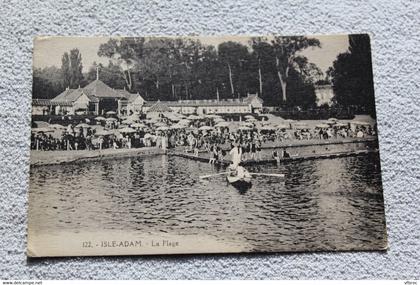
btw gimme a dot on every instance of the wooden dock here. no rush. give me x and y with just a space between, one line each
330 155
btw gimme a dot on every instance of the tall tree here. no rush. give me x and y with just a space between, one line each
65 70
352 78
263 54
76 67
286 51
71 69
234 56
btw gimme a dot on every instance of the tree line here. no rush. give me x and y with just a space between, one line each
184 68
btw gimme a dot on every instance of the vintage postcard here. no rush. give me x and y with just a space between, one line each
179 145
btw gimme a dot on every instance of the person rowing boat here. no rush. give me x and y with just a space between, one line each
239 177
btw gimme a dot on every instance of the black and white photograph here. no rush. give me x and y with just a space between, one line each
204 144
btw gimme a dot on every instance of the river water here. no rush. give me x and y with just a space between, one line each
326 204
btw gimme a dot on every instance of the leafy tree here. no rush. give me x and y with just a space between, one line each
286 51
46 82
352 78
183 68
301 91
235 57
126 53
278 60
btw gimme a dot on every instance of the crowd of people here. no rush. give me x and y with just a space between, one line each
217 142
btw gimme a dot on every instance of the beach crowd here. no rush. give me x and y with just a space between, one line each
195 137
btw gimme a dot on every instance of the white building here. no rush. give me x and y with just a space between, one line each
249 104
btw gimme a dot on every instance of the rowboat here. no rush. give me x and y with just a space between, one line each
243 180
240 178
239 182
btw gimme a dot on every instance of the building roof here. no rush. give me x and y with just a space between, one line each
69 96
159 107
49 102
200 103
124 93
95 90
41 102
131 97
100 90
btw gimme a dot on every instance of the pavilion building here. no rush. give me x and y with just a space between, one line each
96 98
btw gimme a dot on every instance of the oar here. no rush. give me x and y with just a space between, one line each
211 175
268 174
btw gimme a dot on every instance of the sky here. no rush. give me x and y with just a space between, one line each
49 50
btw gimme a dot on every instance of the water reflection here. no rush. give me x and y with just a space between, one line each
320 204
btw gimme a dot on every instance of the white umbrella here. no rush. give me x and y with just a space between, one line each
103 133
138 125
178 126
193 117
146 136
127 130
57 126
160 124
162 129
42 130
360 123
322 126
222 124
100 118
249 116
340 125
184 121
111 113
246 124
251 119
111 119
206 128
128 121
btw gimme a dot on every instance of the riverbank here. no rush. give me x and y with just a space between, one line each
39 158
